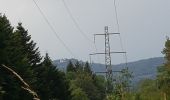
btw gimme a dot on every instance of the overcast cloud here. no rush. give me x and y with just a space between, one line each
144 24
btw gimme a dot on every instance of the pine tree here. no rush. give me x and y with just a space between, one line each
51 83
164 72
29 47
85 82
78 66
10 52
5 31
87 68
70 67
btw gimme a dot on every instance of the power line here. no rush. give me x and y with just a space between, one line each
117 21
53 30
74 21
78 26
118 26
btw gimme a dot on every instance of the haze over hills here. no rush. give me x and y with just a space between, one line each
145 68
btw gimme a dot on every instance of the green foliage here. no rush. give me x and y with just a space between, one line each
99 82
28 46
78 66
155 89
5 31
87 68
70 67
122 84
148 90
85 82
20 53
79 94
82 80
10 52
51 83
164 72
94 86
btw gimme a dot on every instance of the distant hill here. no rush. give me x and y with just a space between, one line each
62 63
146 68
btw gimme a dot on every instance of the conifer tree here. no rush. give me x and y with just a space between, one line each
87 68
51 83
70 67
164 72
23 54
29 46
11 55
78 66
5 31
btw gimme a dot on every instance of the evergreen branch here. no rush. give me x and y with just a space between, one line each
25 85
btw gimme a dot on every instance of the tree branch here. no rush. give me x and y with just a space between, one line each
25 85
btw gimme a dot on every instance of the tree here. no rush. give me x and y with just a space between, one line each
28 46
70 67
23 57
5 31
99 82
122 84
20 53
83 81
78 66
87 68
10 86
24 85
148 90
20 50
78 94
164 72
51 83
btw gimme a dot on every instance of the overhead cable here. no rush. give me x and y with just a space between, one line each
77 25
74 20
53 30
118 27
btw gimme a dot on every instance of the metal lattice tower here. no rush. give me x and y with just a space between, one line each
108 64
107 55
109 75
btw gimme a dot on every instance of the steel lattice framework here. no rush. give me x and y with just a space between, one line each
108 63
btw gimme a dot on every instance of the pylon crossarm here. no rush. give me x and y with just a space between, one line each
112 71
106 34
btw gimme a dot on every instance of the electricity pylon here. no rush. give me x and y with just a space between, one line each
108 64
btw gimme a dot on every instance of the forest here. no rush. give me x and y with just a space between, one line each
26 75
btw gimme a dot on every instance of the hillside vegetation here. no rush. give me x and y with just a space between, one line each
142 69
26 75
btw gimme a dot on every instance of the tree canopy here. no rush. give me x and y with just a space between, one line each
19 52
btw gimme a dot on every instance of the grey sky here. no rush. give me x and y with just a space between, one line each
143 26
